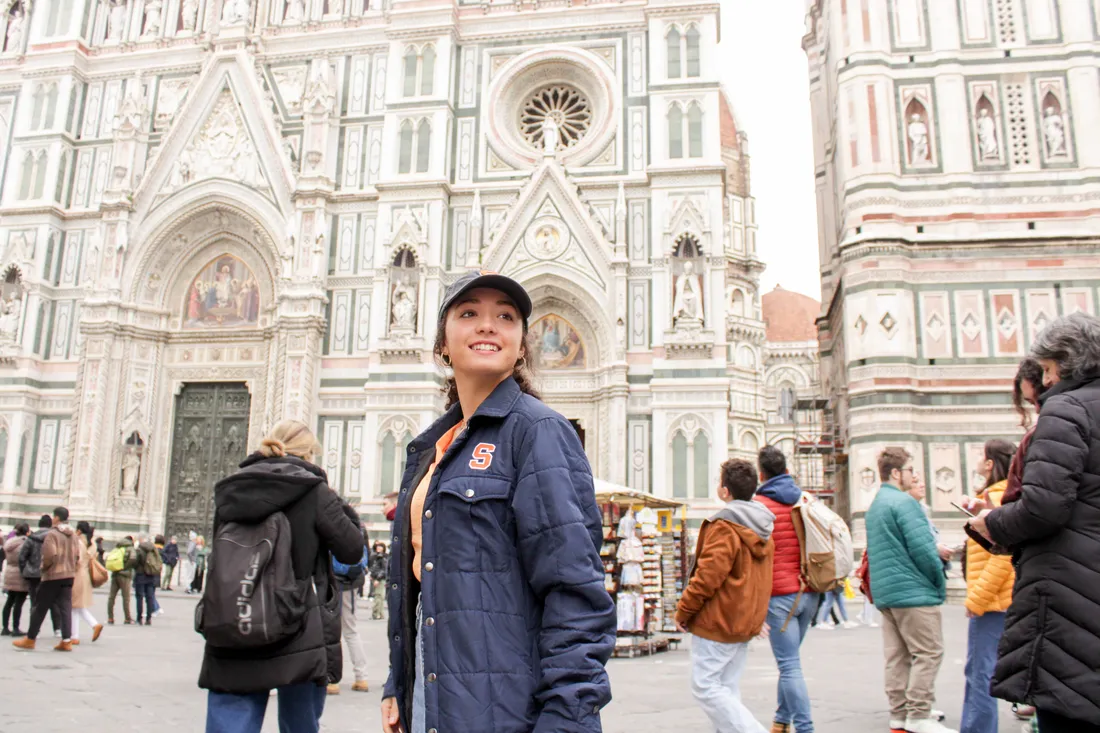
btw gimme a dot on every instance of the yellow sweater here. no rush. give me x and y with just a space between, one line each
989 577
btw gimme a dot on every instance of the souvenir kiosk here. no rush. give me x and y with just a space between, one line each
645 561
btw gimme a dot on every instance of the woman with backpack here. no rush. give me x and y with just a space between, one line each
279 496
15 585
498 617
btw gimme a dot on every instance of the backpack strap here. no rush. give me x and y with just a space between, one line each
800 533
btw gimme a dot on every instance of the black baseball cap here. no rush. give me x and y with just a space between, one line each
486 279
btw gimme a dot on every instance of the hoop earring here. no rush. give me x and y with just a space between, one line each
446 359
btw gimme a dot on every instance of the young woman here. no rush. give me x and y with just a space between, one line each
1027 388
82 584
15 585
989 581
281 477
498 617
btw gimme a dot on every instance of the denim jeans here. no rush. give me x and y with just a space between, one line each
794 698
716 671
419 707
837 597
145 592
300 708
979 707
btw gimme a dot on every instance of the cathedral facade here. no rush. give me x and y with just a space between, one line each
217 214
957 169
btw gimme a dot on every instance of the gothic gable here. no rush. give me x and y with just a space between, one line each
550 224
224 132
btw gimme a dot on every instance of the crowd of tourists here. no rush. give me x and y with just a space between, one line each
493 590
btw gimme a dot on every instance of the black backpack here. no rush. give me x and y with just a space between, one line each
251 597
31 567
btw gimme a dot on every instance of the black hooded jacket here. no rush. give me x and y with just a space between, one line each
1049 655
320 523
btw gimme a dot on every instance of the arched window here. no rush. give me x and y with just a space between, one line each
675 132
427 70
59 13
51 108
786 402
701 446
3 452
691 41
411 64
404 155
389 461
674 65
695 131
38 106
39 174
26 176
679 466
423 146
749 442
20 468
737 303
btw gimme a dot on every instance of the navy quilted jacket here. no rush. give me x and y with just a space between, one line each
1049 654
906 571
517 623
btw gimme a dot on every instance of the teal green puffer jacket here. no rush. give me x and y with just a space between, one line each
906 571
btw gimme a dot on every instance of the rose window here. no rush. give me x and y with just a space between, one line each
567 107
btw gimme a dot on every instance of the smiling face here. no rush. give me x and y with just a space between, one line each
483 335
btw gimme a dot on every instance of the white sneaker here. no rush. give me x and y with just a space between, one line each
897 724
160 612
873 625
938 715
850 625
927 725
826 626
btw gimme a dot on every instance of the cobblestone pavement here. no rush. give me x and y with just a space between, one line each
143 679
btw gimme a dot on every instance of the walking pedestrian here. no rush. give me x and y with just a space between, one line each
1049 655
15 585
909 587
726 599
60 557
170 555
349 579
120 563
147 570
30 565
201 551
791 608
82 584
282 477
188 559
833 602
379 570
496 543
989 580
99 549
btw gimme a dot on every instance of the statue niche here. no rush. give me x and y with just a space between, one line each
404 279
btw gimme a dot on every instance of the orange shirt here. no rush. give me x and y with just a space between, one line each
420 495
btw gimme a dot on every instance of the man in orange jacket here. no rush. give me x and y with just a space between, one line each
726 600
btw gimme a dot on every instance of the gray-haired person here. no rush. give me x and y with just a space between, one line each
1049 655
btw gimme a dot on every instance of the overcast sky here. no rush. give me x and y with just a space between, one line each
764 71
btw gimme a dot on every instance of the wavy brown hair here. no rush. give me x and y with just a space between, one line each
1000 452
1030 371
523 371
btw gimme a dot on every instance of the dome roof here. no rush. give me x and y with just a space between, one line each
789 316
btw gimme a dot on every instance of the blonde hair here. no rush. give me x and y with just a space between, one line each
290 438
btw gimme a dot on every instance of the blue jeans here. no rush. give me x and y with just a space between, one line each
419 706
794 698
979 707
146 594
300 708
837 597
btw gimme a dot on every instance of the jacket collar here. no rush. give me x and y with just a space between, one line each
888 485
497 405
1066 385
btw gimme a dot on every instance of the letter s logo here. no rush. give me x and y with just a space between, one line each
482 456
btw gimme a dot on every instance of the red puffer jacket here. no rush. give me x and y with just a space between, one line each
786 568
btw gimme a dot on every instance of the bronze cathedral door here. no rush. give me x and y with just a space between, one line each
209 439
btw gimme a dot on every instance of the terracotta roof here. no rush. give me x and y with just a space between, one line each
727 124
789 316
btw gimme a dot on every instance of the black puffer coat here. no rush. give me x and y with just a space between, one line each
1049 655
320 523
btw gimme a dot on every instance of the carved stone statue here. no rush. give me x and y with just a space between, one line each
320 93
131 471
987 135
551 136
182 172
918 140
403 314
295 12
16 23
116 19
190 13
687 300
235 12
152 19
132 111
1054 133
9 318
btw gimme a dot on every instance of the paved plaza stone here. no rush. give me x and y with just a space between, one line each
138 678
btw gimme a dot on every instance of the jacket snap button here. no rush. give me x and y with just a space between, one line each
432 730
431 677
396 637
469 493
429 621
428 514
394 586
429 567
412 449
